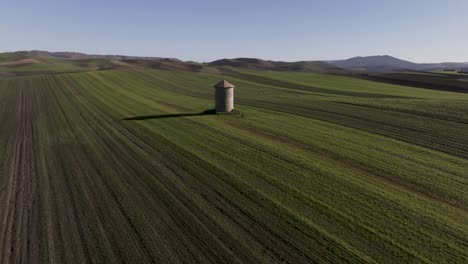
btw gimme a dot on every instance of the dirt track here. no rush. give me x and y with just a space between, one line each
18 210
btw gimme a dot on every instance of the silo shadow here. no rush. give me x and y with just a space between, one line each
149 117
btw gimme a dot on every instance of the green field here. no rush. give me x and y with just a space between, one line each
128 166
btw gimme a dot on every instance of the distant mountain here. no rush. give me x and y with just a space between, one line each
389 63
81 56
252 63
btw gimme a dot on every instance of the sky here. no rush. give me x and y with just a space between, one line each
206 30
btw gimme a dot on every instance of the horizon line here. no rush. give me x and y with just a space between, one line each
230 58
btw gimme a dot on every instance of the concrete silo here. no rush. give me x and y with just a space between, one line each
224 97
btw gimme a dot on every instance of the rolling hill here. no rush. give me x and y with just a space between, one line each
40 62
79 55
383 63
388 63
253 63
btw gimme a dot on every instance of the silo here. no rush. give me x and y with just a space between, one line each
224 97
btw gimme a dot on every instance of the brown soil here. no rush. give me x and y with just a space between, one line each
18 206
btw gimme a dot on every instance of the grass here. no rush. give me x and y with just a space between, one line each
395 115
317 169
44 65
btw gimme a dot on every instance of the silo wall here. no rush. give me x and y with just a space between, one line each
224 99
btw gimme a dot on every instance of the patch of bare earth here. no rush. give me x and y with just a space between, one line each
19 238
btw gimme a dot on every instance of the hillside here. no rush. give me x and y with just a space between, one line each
357 64
42 62
129 165
252 63
80 56
389 63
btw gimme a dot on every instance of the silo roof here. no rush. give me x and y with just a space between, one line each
224 84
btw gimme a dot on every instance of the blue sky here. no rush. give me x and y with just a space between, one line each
204 30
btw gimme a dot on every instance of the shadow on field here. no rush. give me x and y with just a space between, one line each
206 112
